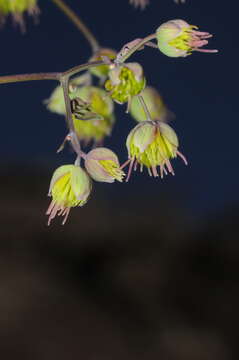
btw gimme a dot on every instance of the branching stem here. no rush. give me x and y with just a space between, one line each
29 77
48 76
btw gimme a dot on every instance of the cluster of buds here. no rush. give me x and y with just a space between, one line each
16 9
152 143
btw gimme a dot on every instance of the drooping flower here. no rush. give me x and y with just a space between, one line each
97 127
152 144
103 70
176 38
103 165
154 102
125 81
17 8
70 186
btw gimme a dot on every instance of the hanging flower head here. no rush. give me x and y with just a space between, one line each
176 38
103 165
156 107
17 8
70 186
152 144
125 81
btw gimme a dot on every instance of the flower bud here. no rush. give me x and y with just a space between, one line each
156 107
102 70
176 38
103 165
152 144
125 81
70 186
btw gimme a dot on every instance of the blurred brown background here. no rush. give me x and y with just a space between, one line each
130 281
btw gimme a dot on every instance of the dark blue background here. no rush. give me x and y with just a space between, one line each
200 89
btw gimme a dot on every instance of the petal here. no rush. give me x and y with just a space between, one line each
168 133
97 172
144 136
102 153
80 183
59 172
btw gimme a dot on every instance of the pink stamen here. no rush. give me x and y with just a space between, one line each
170 168
125 164
206 51
65 213
56 209
182 157
198 39
154 171
130 169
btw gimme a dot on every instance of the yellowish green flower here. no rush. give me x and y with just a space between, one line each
176 38
125 81
17 8
100 103
103 165
152 144
70 187
154 102
103 70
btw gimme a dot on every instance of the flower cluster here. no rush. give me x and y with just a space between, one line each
151 144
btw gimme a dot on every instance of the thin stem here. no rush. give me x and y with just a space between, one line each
65 86
79 24
72 134
145 107
82 67
48 76
29 77
136 47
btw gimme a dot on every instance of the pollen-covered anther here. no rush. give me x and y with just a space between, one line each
152 144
